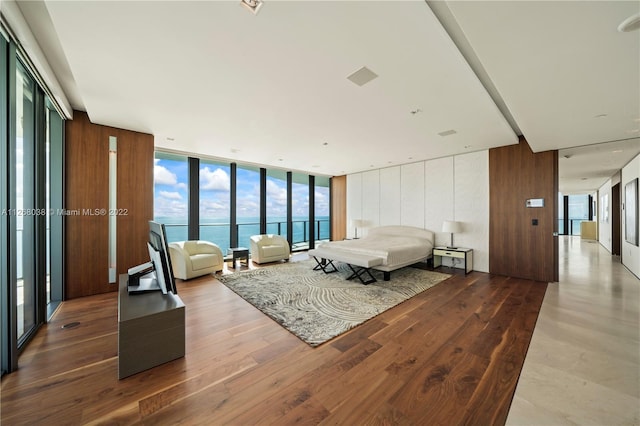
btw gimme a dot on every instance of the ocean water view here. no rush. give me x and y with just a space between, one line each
217 230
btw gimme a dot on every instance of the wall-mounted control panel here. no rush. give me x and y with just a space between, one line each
535 202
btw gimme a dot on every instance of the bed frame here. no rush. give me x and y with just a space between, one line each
362 263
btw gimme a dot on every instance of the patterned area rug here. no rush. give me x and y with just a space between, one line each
316 306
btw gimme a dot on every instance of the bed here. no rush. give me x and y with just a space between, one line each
385 248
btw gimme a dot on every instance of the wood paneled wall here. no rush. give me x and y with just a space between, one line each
338 208
518 248
87 189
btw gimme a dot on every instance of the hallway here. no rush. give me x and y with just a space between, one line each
583 363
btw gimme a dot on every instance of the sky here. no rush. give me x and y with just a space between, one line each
171 192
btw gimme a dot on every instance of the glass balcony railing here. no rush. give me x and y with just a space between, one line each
218 233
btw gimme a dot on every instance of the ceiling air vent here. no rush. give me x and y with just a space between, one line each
448 132
362 76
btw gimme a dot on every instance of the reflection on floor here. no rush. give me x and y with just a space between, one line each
583 363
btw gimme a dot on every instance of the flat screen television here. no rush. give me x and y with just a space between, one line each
164 271
156 275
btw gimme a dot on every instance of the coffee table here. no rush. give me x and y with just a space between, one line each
238 253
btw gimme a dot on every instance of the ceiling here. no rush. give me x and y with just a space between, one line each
211 78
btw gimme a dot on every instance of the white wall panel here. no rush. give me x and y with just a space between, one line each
471 204
390 196
354 200
412 194
438 195
428 193
370 200
630 252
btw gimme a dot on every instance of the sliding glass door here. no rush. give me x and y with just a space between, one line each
5 296
53 187
24 185
31 195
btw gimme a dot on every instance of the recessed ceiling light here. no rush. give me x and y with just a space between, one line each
600 116
252 6
447 132
170 139
235 150
416 111
468 146
280 159
617 151
632 23
583 178
326 143
633 131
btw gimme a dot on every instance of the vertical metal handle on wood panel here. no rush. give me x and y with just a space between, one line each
113 183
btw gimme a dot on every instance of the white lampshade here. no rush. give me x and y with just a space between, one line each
451 226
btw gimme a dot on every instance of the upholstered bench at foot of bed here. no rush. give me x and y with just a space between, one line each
324 260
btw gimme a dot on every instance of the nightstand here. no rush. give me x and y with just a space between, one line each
453 252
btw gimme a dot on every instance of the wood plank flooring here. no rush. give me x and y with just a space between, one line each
450 355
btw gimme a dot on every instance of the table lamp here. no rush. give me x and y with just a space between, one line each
452 227
357 223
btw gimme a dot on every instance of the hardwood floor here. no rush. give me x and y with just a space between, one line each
450 355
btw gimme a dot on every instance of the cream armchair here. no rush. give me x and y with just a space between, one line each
190 259
269 248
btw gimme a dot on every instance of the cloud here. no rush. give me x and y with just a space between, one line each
213 209
216 180
162 175
170 195
322 201
276 194
164 207
247 207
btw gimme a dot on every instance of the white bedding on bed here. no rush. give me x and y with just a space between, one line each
397 245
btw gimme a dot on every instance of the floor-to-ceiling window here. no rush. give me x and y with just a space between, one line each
6 320
561 209
30 190
54 189
238 201
247 203
300 208
578 212
171 194
24 187
215 199
277 202
322 208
